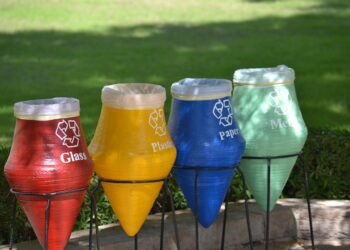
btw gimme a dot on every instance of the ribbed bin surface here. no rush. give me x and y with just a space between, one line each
268 114
206 135
48 155
131 143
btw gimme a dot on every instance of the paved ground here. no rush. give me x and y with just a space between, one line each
257 246
296 246
292 245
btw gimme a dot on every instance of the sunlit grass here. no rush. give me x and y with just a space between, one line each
97 16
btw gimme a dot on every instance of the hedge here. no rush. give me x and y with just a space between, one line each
326 155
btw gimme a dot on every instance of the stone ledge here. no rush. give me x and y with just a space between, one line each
331 220
289 223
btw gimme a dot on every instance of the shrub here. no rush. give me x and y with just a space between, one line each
105 213
22 230
327 157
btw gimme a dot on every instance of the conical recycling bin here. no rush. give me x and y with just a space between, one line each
131 143
271 122
49 154
206 135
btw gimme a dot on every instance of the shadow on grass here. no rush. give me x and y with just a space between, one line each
52 63
325 4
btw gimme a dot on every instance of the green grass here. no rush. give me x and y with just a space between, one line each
73 48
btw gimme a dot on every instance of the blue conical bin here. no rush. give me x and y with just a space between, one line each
208 140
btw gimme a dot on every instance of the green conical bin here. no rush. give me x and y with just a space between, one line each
269 117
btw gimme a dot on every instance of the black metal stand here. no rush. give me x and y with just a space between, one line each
48 197
197 169
246 209
268 161
166 190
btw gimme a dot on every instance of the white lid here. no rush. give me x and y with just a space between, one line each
201 88
264 76
47 109
133 95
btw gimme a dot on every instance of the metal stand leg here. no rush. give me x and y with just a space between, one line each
196 207
195 210
307 194
93 218
224 222
135 242
48 197
167 193
267 230
247 210
13 222
177 238
47 217
162 221
100 180
269 158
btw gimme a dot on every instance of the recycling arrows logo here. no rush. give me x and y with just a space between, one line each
223 112
157 122
279 100
69 133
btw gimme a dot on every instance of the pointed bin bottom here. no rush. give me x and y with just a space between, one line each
212 188
132 203
255 174
64 210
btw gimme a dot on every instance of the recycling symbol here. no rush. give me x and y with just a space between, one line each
223 112
157 122
279 100
69 133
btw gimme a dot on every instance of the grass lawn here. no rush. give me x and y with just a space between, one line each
72 48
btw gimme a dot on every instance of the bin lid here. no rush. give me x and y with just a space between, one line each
281 74
133 95
47 109
201 88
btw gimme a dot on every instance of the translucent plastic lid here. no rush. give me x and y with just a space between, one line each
201 88
133 95
47 109
264 76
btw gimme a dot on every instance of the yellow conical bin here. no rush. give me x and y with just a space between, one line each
131 143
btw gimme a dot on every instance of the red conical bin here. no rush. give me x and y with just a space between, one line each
48 155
